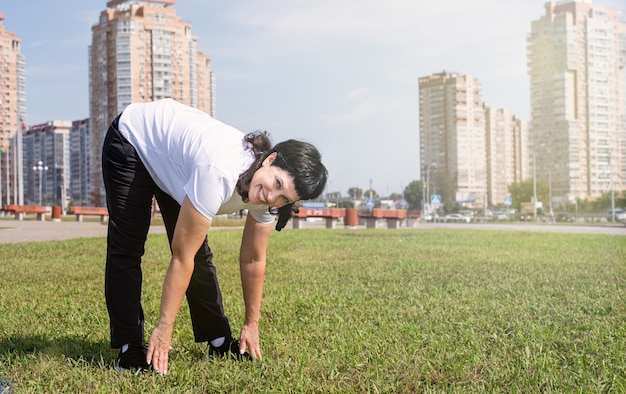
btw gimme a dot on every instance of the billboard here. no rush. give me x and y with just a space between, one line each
462 197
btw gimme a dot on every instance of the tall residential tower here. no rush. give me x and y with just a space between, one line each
47 162
507 153
12 115
577 69
142 51
470 152
452 133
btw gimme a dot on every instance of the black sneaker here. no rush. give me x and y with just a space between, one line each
133 358
228 349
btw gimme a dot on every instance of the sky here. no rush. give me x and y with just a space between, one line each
340 74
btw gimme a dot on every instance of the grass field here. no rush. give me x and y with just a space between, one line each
344 311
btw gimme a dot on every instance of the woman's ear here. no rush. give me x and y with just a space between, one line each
269 160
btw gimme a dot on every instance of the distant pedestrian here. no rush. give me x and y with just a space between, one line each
196 167
552 218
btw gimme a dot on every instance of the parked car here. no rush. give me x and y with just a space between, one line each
620 215
501 215
523 216
484 215
468 213
456 217
564 217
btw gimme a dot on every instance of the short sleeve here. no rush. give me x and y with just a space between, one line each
262 214
207 188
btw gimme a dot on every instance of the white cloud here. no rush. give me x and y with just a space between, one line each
357 112
355 94
307 25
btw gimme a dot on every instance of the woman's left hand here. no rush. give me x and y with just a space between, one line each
249 340
159 347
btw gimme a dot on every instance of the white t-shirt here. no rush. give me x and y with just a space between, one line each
188 153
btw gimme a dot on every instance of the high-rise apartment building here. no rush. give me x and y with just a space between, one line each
521 169
81 163
507 152
46 149
577 69
470 153
12 115
142 51
452 138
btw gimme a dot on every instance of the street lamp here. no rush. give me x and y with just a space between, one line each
535 185
426 196
612 191
40 168
535 179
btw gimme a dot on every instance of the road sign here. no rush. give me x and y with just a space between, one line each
435 199
507 201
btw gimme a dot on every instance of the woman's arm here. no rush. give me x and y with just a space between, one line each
252 269
191 229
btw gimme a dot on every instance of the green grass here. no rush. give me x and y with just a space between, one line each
344 311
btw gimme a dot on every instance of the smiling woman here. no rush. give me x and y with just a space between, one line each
196 167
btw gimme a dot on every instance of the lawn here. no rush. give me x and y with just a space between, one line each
344 311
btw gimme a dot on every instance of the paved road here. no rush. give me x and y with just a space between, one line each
12 231
618 229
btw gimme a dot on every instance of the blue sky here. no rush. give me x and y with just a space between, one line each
341 74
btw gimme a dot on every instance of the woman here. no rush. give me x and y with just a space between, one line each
196 167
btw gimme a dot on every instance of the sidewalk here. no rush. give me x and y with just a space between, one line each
12 231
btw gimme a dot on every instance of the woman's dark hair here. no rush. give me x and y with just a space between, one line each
300 159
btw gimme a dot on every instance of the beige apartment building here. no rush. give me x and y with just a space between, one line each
142 51
507 153
522 170
470 152
12 115
452 138
577 69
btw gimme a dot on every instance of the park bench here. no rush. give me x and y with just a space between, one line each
393 217
330 214
20 210
103 212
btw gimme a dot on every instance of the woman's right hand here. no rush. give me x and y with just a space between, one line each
191 230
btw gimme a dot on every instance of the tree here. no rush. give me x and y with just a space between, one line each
523 192
604 201
395 196
414 195
371 194
446 188
345 203
355 193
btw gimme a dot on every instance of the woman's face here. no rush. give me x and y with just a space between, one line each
272 186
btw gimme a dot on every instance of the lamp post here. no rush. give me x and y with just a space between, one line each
40 168
550 188
423 197
535 180
535 185
426 196
609 172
